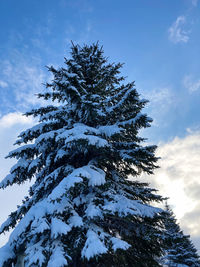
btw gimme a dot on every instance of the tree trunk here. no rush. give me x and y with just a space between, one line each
20 261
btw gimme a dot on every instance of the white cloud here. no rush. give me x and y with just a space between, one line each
194 3
160 97
191 84
191 221
193 130
3 84
25 78
178 178
82 38
176 32
15 118
10 126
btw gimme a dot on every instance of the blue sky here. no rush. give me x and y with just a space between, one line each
38 33
159 42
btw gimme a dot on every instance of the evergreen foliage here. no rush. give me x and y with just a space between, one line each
83 209
179 250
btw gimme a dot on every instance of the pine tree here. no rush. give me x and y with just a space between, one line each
179 250
83 209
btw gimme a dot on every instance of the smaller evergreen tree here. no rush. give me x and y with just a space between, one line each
179 250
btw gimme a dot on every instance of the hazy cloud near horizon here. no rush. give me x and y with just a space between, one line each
11 125
179 179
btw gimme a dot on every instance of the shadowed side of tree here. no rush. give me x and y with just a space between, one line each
179 250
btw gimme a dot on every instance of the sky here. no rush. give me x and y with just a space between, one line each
159 43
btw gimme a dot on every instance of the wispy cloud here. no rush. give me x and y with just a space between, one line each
77 37
24 78
81 6
194 3
3 84
177 33
162 97
191 84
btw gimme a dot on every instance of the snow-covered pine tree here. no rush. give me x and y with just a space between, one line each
83 209
179 250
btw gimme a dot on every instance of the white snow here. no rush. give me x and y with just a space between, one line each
58 258
58 227
36 128
78 128
110 130
39 225
52 115
93 211
22 163
64 185
35 254
6 253
45 136
46 180
7 180
60 154
131 121
120 103
74 89
75 221
6 223
71 75
119 244
35 212
21 149
91 139
95 176
93 246
81 131
125 206
34 163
